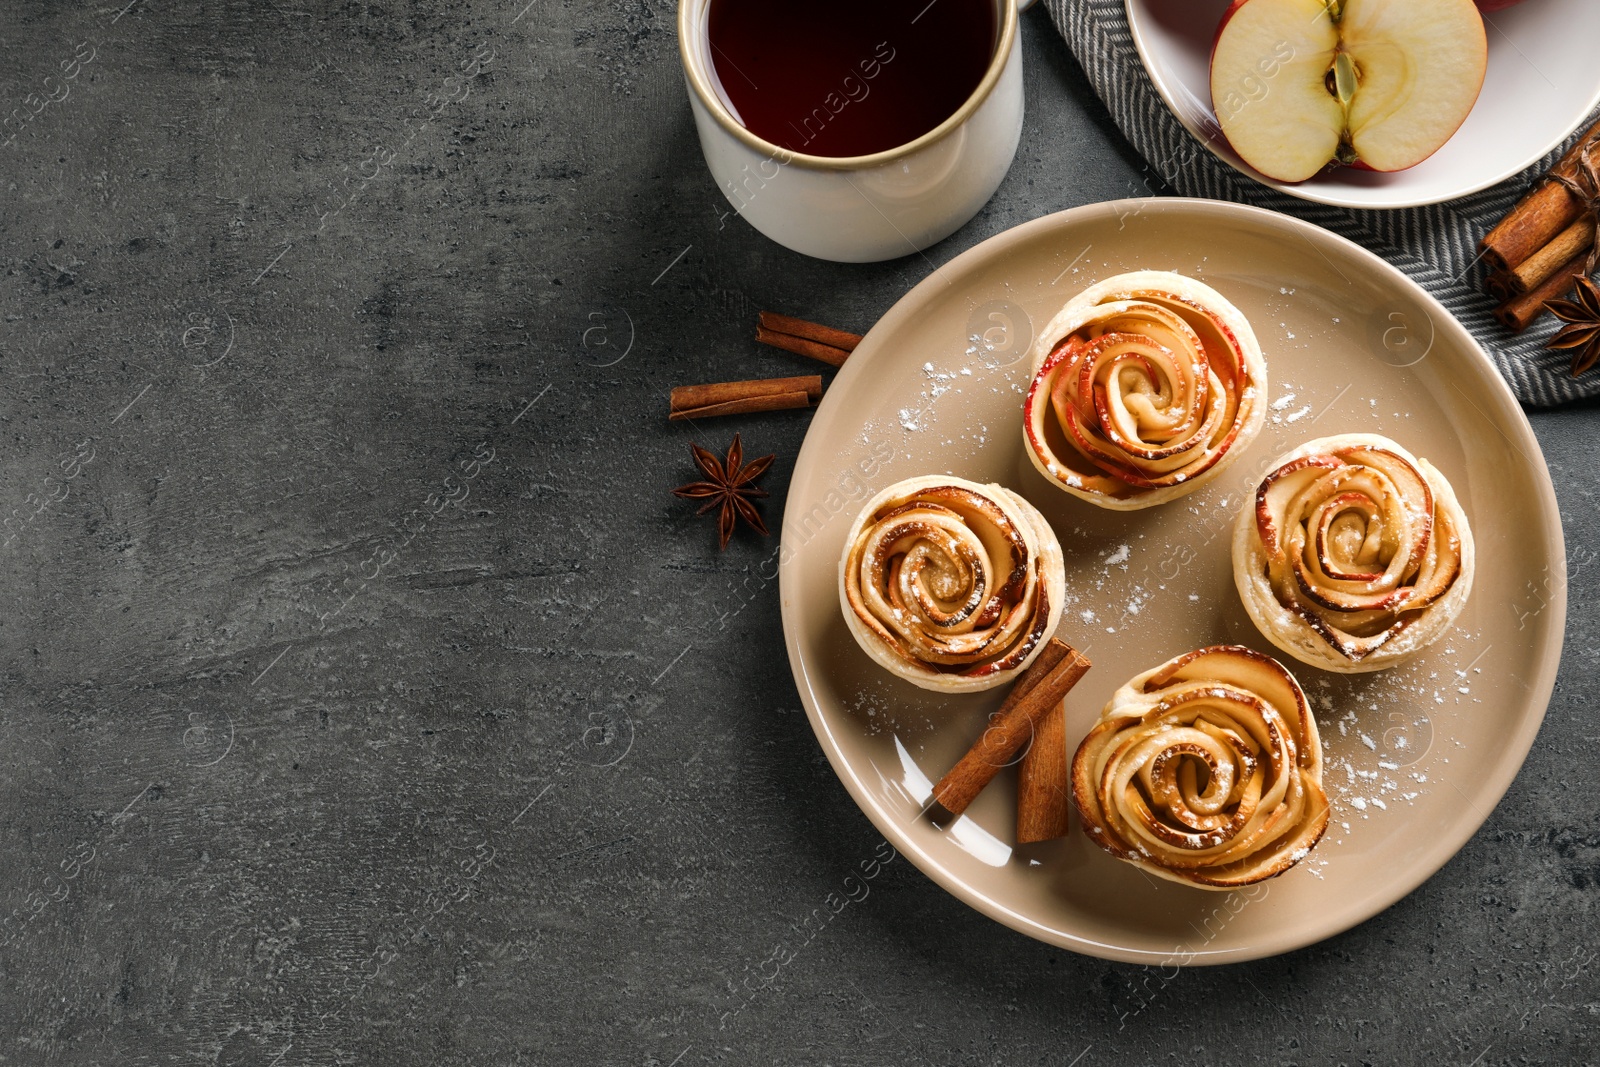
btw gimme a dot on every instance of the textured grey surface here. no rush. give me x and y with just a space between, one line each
297 771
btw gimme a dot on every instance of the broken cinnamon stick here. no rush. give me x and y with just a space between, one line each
1040 688
828 354
1538 217
1520 311
1543 264
811 331
1042 782
804 338
737 398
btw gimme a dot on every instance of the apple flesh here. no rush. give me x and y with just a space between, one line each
1378 84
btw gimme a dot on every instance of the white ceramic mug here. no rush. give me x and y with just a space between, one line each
859 209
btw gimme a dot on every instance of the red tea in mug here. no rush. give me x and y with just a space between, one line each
848 77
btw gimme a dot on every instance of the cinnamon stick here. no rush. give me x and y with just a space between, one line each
828 354
1520 311
804 338
736 398
1042 798
1543 264
810 331
1536 220
1500 285
746 406
1040 688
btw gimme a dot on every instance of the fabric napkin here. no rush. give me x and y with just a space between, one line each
1435 245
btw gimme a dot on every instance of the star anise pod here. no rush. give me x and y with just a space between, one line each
1582 332
730 485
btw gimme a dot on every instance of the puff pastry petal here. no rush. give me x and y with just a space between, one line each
1206 770
950 584
1145 387
1354 555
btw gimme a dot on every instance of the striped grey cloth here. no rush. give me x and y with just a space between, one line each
1435 245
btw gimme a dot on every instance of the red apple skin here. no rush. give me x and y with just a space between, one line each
1222 24
1496 5
1233 9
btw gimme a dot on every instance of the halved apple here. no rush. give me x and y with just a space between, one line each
1378 84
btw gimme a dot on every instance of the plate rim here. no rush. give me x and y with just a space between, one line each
1299 190
1510 417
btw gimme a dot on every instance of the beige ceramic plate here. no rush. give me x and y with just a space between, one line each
1417 755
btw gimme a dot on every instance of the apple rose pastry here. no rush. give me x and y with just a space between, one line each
1206 770
950 584
1354 555
1145 387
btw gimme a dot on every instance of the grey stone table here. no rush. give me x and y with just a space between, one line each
367 698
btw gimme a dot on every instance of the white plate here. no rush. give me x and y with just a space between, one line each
1543 81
